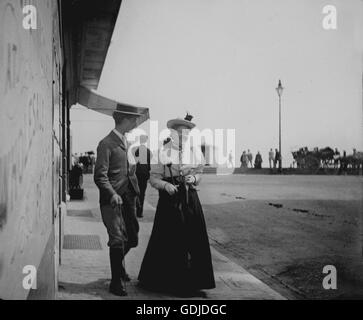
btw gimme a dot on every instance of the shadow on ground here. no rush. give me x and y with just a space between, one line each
97 288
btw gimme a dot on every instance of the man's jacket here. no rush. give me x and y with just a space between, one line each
113 173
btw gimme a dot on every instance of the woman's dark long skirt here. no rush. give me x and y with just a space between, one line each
178 256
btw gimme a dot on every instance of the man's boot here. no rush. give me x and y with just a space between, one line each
124 276
116 286
139 207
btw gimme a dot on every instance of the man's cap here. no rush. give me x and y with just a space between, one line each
125 109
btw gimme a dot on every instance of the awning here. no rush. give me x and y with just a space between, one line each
88 27
93 100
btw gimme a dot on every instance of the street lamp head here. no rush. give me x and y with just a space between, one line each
280 89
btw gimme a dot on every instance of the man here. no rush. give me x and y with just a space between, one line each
115 177
277 158
85 161
143 156
230 160
250 158
271 157
336 158
343 163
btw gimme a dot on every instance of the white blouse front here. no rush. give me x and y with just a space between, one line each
182 163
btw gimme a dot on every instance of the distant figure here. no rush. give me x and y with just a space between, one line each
89 159
336 158
230 160
89 168
271 158
250 158
277 158
76 177
258 161
93 162
244 160
85 162
76 182
143 157
75 159
343 163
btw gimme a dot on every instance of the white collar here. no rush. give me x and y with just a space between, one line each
120 135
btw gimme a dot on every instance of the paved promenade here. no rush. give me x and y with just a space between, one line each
85 272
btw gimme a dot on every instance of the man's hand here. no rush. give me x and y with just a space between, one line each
171 189
190 179
116 201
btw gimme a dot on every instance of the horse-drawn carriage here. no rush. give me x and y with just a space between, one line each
325 158
313 160
353 161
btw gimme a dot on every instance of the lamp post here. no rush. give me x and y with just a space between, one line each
279 91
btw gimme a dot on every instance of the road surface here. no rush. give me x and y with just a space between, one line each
285 229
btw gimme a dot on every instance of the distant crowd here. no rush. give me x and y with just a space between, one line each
326 157
304 158
85 160
247 159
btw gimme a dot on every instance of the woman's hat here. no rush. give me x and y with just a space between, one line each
187 122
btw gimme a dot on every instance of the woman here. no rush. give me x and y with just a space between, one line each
178 258
244 160
258 161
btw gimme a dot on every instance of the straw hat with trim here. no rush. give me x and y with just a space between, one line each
187 122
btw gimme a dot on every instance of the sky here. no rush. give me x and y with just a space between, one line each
221 61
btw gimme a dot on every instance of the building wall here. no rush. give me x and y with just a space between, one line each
30 152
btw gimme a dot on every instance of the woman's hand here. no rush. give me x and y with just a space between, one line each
171 189
190 179
186 169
